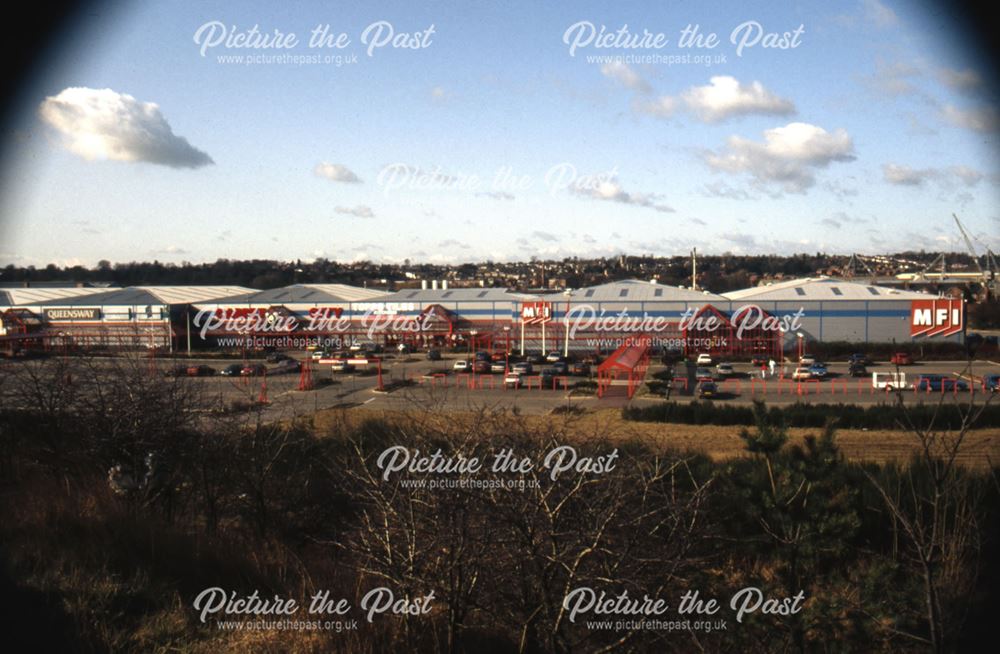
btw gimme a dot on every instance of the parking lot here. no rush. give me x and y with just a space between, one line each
411 381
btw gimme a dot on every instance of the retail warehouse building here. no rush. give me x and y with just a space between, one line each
763 320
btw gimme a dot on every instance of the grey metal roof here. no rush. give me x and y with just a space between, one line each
305 294
435 295
131 296
634 290
824 288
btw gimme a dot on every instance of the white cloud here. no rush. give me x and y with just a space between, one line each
960 80
978 119
725 97
497 195
878 14
360 211
906 176
901 175
624 75
893 79
336 173
661 107
104 124
788 156
608 188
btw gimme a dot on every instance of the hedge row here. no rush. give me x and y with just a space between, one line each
845 416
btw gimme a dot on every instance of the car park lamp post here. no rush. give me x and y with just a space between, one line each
801 338
568 293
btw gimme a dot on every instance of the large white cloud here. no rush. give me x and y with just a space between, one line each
788 156
104 124
725 96
336 173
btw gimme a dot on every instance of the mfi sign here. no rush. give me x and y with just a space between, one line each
936 317
536 312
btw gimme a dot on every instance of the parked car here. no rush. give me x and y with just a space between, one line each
341 365
889 381
522 367
253 370
275 357
859 357
703 373
433 355
175 371
818 370
858 370
403 348
560 368
460 366
552 357
725 370
707 389
939 383
759 360
482 355
901 359
480 367
802 373
704 359
535 358
807 360
580 368
513 380
200 371
498 367
991 383
232 369
321 354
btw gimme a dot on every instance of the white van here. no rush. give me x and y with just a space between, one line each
889 381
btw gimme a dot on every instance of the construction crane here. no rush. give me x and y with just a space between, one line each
852 267
989 275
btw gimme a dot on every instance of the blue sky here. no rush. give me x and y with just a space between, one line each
864 137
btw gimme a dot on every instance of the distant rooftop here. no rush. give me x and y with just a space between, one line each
635 290
305 294
140 296
424 295
822 288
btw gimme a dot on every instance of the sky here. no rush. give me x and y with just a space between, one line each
447 132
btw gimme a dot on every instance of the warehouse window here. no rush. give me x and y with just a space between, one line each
623 292
873 290
658 292
448 294
411 294
800 291
482 293
835 290
589 293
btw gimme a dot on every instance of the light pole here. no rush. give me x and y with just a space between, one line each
568 293
801 338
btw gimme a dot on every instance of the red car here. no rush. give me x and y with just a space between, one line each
901 359
254 370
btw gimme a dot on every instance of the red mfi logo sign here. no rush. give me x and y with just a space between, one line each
536 312
936 317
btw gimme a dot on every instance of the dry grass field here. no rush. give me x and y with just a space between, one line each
980 450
